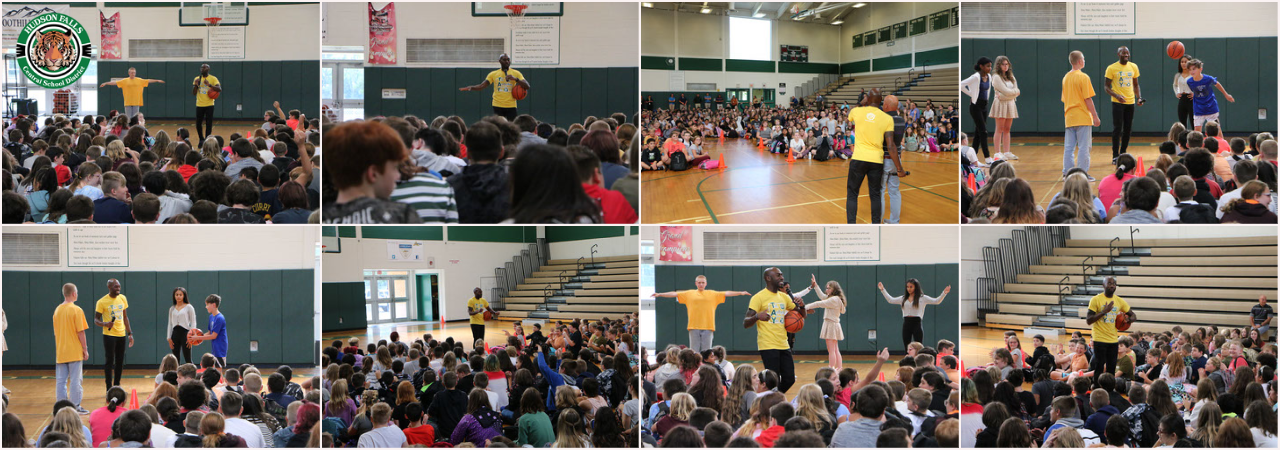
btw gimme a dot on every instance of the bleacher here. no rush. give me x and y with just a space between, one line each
1167 282
566 289
941 86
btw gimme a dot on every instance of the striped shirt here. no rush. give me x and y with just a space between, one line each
430 196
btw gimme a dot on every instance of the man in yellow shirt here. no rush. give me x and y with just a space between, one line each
476 307
1121 84
701 305
873 143
111 313
502 80
132 89
1081 116
1103 309
72 347
768 312
201 87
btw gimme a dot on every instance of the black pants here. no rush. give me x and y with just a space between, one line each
1122 127
1104 358
1186 112
780 361
509 113
978 111
874 173
220 362
477 332
114 347
912 331
179 337
204 122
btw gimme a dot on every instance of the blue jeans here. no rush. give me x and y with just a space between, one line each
891 187
1080 138
74 371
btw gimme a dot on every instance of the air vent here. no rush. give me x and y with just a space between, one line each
454 50
31 249
700 86
166 48
760 246
1032 17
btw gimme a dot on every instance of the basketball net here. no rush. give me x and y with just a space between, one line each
515 12
213 13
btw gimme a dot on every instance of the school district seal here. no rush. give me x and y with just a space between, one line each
53 50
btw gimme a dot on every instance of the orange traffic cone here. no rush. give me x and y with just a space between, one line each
791 156
133 400
962 375
1142 168
721 165
882 376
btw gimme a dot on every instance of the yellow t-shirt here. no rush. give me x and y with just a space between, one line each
1104 330
132 89
869 126
702 307
502 88
202 95
1076 88
1122 81
772 334
477 303
113 308
68 322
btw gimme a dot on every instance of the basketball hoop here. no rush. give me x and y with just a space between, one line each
515 12
213 13
213 21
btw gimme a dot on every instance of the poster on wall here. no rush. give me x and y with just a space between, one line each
1105 18
382 34
110 36
536 41
675 244
98 246
16 16
852 244
226 43
405 251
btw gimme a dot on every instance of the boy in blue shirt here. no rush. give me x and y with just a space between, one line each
217 331
1204 104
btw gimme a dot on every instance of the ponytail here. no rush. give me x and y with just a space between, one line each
1125 164
115 398
86 171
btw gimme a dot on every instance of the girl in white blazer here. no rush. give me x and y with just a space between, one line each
1004 108
978 88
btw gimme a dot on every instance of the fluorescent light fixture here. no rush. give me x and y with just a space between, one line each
647 4
759 15
859 5
706 10
838 22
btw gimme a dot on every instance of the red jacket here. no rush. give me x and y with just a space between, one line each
425 435
766 437
64 174
187 171
615 206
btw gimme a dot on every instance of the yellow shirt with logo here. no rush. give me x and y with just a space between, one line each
702 307
68 322
132 89
869 126
1104 330
772 334
1121 77
202 95
1076 88
502 88
480 304
113 309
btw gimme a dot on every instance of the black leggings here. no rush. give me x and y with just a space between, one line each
874 173
180 349
1122 127
477 332
912 331
978 111
204 122
1186 112
509 113
114 347
1104 358
780 361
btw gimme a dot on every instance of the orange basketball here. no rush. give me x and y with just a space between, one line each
519 92
1175 49
1122 322
793 322
488 315
214 92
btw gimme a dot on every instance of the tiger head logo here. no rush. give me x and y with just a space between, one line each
53 51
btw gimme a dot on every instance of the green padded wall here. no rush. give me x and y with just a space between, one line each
1245 66
261 305
343 305
940 322
560 96
252 84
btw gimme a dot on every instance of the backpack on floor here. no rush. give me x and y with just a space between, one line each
823 151
679 161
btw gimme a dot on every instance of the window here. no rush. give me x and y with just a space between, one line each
648 333
750 39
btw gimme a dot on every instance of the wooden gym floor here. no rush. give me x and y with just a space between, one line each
808 365
761 187
222 128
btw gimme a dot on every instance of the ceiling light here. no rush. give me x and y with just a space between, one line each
647 5
706 10
859 5
838 22
759 15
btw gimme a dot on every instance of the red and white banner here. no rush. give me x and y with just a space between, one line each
382 34
110 37
675 244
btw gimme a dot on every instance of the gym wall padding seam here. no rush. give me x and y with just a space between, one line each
343 305
859 282
253 85
273 307
1245 66
560 96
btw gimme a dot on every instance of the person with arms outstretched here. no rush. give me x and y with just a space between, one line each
701 305
132 89
503 81
912 302
833 301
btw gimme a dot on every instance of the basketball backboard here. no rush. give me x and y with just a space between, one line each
192 14
479 9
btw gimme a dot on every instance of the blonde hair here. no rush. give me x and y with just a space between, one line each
1077 190
68 421
168 362
1174 363
213 427
682 404
810 405
115 150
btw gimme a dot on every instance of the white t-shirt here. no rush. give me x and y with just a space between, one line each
385 437
493 400
1263 440
161 436
251 434
797 144
1166 201
1226 200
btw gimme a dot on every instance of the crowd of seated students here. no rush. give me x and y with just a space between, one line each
406 170
71 170
576 386
191 406
1199 177
676 139
703 400
1206 388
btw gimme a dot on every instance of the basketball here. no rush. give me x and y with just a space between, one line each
1175 49
794 322
488 315
1122 320
518 92
214 92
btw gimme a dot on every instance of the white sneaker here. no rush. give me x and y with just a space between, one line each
1010 155
989 159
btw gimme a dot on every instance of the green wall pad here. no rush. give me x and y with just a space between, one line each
253 85
343 305
1245 66
867 309
272 307
560 96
